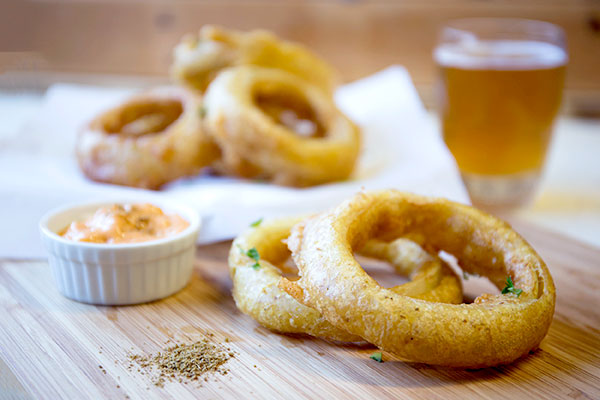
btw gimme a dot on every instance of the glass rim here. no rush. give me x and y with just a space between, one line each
460 38
451 22
506 24
499 28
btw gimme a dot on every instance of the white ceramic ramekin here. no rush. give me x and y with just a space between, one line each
119 274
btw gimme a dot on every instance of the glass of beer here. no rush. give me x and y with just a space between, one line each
499 91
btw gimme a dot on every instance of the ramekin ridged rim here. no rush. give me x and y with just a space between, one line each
119 274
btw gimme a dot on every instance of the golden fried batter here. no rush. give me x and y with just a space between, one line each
257 257
239 107
147 141
199 58
496 329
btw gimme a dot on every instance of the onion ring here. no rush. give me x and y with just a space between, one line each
495 329
199 58
147 141
256 277
254 145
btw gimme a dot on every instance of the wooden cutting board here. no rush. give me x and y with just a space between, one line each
52 347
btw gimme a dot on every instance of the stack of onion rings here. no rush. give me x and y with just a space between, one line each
254 145
495 329
147 141
269 115
256 277
199 58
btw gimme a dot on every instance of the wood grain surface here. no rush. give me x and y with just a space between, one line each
52 347
357 36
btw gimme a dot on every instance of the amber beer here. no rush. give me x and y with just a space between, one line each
498 101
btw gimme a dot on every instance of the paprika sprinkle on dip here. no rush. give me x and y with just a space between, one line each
125 223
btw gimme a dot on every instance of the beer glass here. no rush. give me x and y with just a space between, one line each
499 90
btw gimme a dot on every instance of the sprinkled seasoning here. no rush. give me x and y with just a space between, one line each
185 362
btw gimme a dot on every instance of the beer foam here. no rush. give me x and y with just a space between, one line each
500 54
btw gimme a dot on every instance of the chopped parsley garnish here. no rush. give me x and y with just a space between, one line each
377 357
510 288
253 254
202 112
256 223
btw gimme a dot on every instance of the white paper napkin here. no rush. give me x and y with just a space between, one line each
38 170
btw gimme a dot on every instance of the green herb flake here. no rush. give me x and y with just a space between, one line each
256 223
510 287
377 357
202 112
253 254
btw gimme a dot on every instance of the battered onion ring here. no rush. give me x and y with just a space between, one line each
199 58
496 329
256 292
254 145
147 141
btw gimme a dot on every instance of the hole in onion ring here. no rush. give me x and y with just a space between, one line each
382 271
142 118
290 109
473 285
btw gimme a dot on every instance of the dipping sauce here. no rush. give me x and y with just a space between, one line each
125 223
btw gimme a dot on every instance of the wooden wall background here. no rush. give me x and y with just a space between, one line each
135 37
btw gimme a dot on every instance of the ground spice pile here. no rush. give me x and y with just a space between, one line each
186 361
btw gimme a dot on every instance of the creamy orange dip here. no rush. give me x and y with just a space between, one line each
125 223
